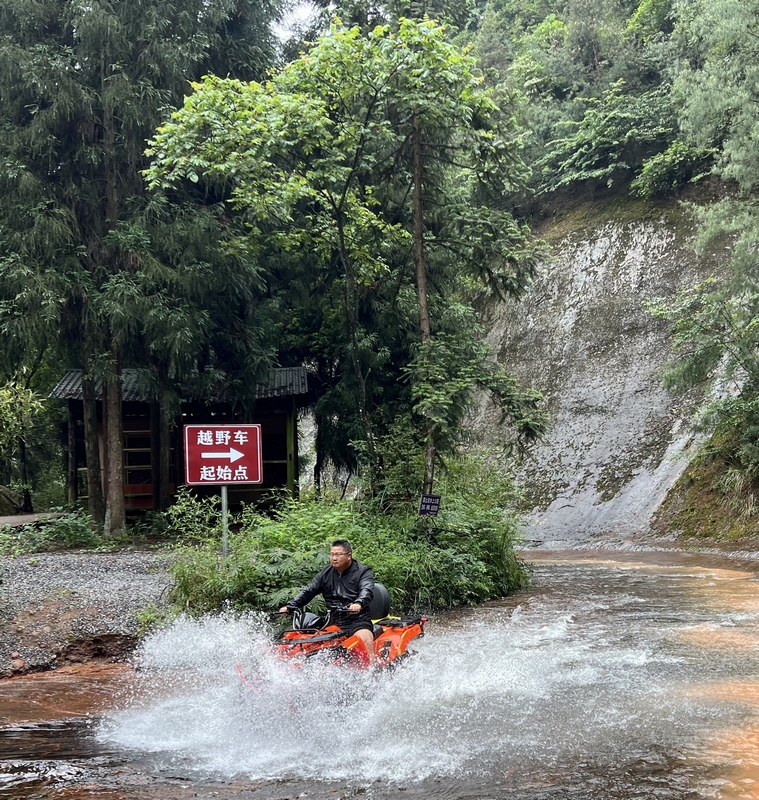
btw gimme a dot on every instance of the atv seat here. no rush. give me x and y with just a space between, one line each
403 622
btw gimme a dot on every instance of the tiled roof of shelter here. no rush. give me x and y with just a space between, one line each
282 382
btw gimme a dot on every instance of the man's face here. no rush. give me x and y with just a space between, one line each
339 559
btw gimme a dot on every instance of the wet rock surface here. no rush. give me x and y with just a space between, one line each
63 608
617 442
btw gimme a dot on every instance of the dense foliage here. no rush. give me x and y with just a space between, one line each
352 210
94 273
385 159
715 323
463 557
653 95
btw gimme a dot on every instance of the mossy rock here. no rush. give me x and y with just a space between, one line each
695 509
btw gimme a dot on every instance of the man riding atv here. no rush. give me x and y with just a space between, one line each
348 587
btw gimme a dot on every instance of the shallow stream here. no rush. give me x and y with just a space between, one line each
617 675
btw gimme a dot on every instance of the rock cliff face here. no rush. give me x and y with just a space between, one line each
617 440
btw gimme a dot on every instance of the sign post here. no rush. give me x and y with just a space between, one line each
222 455
429 505
224 523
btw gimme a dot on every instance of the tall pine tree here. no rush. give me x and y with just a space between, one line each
82 86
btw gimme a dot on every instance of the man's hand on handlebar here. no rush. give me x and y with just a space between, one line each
353 608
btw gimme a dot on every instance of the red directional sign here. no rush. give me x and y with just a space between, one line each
222 454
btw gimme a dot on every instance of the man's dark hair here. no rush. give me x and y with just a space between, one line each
345 544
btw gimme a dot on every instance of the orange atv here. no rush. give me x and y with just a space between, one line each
313 636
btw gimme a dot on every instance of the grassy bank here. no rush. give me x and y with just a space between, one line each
462 557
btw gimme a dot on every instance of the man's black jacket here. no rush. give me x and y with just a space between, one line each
355 585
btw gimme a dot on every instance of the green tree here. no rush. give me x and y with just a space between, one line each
613 139
720 115
367 15
19 405
650 19
596 75
81 88
715 322
378 168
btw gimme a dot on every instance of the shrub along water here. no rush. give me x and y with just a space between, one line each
463 556
72 529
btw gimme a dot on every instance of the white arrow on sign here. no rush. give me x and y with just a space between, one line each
233 455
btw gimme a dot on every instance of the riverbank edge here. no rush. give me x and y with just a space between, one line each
64 608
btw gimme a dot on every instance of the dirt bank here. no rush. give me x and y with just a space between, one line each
63 608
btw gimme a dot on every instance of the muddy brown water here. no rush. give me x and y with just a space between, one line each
617 675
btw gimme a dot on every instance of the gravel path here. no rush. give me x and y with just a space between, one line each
58 608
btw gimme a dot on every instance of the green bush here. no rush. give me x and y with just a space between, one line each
69 530
678 165
152 617
462 557
734 444
194 518
75 530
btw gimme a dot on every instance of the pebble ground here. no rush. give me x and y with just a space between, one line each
58 608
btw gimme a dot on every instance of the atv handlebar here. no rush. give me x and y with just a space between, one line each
286 611
305 620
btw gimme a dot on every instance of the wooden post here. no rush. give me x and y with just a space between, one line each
164 448
72 493
95 499
115 511
155 455
292 452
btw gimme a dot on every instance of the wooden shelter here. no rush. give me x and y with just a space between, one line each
276 405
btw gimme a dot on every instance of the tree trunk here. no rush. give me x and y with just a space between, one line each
351 307
95 500
318 458
27 507
164 447
421 294
109 152
115 509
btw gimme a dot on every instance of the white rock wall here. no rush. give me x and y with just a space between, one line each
617 440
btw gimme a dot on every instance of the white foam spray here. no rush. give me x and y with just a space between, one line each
562 678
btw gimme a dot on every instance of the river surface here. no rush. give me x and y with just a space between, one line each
617 675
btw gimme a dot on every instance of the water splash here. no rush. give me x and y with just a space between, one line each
571 677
